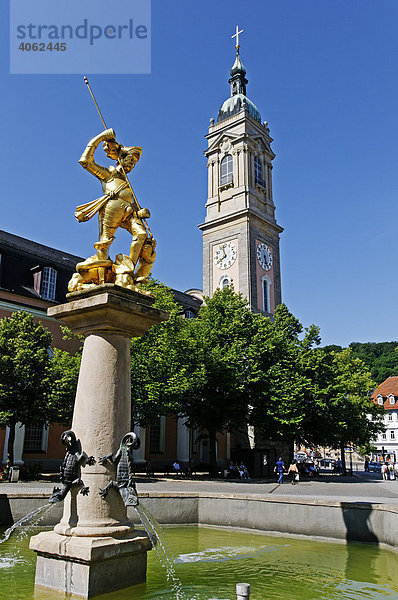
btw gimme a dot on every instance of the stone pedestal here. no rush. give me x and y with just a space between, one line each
94 548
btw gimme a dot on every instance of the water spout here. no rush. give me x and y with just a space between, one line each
37 512
164 553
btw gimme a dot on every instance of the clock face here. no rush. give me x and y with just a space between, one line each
225 255
264 256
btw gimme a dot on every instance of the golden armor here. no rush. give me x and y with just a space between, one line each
118 207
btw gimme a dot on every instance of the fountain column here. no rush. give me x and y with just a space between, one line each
95 549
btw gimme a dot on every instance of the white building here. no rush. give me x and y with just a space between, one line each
386 395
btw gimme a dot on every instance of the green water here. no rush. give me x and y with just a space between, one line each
211 561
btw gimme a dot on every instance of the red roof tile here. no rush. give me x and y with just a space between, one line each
385 389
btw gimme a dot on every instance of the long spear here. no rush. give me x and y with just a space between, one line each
117 154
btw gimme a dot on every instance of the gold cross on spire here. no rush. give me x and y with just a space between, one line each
237 37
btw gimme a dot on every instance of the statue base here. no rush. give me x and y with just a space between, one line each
88 567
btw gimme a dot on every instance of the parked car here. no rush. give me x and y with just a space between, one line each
327 464
375 466
300 456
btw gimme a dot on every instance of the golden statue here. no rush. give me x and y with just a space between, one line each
118 207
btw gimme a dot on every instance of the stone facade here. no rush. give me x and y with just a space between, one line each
386 395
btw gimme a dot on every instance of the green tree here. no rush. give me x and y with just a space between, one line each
381 358
155 357
230 367
216 362
346 413
25 374
64 376
288 384
196 368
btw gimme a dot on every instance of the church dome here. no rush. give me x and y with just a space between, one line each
234 104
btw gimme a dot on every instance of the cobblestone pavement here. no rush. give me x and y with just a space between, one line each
361 487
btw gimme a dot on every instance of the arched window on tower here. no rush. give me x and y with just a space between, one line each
226 170
224 281
258 171
266 289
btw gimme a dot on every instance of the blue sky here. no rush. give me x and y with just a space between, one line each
323 73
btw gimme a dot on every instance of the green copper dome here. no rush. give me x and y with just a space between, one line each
234 104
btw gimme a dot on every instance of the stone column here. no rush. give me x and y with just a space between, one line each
210 178
235 168
183 441
245 166
94 549
216 174
18 444
270 195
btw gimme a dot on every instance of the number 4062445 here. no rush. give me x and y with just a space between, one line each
42 47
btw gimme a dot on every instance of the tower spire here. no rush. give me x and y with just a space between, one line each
238 80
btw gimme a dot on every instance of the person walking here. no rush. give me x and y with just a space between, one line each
280 469
366 465
384 471
293 472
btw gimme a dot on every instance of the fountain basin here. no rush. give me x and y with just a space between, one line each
210 561
338 520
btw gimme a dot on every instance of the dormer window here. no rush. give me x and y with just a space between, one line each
226 170
48 283
380 400
391 399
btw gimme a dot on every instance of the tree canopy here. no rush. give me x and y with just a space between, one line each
37 385
25 373
230 368
226 369
381 358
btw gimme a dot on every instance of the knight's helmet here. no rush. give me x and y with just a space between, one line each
136 442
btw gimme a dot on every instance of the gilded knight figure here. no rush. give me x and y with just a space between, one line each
118 207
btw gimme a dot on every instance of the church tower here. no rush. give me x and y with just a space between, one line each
240 233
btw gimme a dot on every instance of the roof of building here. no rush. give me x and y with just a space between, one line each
388 387
234 104
23 255
187 301
34 249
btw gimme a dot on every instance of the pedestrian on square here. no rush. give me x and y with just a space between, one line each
366 465
384 471
396 470
280 469
293 472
